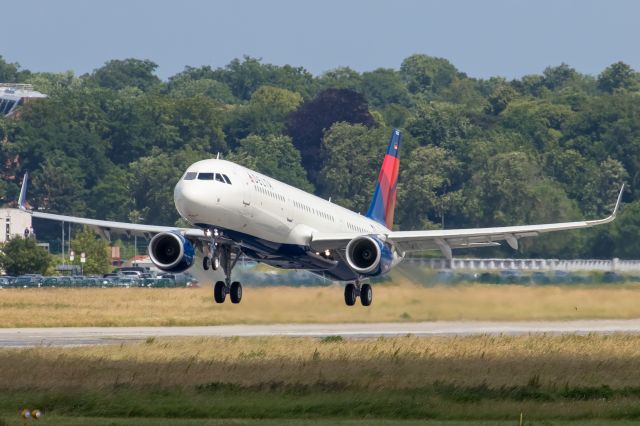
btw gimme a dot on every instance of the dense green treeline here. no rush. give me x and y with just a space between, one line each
478 152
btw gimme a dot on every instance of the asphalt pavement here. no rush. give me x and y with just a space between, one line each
78 336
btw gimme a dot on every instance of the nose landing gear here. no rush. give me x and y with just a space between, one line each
353 290
211 257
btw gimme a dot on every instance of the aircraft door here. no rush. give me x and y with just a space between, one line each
247 197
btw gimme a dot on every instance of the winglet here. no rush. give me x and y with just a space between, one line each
615 209
23 192
613 214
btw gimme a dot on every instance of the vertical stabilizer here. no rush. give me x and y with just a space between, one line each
384 198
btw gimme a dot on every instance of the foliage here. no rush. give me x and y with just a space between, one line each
349 179
95 250
307 124
476 152
273 156
23 256
118 74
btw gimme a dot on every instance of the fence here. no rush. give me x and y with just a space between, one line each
615 265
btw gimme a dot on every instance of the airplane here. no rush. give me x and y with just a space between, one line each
238 212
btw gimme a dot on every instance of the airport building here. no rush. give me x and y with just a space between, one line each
16 223
13 95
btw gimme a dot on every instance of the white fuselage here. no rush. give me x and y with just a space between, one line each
259 206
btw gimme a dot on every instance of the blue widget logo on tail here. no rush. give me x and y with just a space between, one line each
384 198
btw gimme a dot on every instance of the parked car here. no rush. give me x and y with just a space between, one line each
28 280
539 277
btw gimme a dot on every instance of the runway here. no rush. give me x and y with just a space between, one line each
78 336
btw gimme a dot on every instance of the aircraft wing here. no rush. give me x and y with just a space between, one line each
105 228
447 239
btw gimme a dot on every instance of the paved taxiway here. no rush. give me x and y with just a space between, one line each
76 336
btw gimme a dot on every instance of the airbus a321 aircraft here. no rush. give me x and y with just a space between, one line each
236 211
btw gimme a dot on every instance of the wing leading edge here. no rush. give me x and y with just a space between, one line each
447 239
105 227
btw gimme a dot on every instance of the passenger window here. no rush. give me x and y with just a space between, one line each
219 178
226 178
190 176
205 176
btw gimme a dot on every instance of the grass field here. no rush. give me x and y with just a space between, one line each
183 306
550 379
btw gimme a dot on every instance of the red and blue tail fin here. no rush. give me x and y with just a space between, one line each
384 198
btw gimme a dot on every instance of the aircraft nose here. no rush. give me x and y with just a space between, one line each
185 197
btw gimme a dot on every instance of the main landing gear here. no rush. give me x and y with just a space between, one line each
353 290
227 257
217 255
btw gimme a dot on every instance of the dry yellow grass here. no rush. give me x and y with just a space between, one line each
128 307
398 363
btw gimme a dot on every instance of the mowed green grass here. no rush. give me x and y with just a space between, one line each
400 301
447 380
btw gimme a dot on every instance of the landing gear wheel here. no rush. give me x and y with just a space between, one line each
235 292
219 292
350 294
206 263
366 294
215 263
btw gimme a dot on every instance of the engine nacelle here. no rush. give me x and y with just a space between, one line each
367 255
171 252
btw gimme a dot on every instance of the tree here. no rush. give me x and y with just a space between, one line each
439 123
265 114
383 87
307 124
427 188
555 78
274 156
95 249
10 72
512 190
246 76
111 197
627 225
617 76
500 98
602 187
213 89
118 74
427 74
347 178
23 256
153 179
341 78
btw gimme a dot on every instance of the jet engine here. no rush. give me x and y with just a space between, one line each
171 252
365 254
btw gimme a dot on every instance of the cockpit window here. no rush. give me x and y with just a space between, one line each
205 176
226 178
219 178
190 176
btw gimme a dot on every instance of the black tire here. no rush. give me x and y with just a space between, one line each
366 294
235 292
215 263
206 263
219 292
350 294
